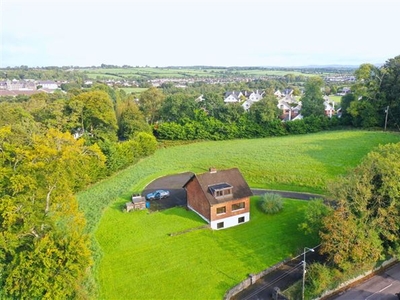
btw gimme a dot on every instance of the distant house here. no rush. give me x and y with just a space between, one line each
232 97
329 107
48 84
290 107
222 198
246 98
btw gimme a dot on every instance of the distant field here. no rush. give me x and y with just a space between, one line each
134 90
152 73
335 98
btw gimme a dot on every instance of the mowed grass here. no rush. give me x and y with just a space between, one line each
143 261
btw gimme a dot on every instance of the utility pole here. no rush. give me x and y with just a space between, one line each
386 117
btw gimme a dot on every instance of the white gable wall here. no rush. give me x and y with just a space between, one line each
230 221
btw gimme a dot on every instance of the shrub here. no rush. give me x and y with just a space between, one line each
271 203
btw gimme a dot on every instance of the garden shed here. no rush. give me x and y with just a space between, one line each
137 203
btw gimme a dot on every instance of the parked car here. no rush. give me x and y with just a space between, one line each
159 194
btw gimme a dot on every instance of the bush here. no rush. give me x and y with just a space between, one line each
271 203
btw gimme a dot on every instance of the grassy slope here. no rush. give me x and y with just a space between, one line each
142 261
304 162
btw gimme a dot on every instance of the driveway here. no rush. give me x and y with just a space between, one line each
172 183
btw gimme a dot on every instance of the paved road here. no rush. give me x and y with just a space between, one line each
382 286
282 278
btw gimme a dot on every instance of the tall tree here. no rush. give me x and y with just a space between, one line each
177 107
265 110
390 89
95 112
368 217
312 100
131 121
44 251
367 109
150 102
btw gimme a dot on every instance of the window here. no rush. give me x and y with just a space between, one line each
237 206
221 210
220 225
221 190
241 220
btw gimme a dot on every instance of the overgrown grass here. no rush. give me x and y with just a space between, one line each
142 261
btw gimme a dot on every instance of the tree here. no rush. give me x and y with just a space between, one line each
367 107
150 102
314 215
131 121
367 220
212 103
347 241
312 100
265 110
95 112
44 251
177 107
390 88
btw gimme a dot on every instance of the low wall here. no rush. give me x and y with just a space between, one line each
252 278
360 277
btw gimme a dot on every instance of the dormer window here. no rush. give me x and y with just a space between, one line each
221 190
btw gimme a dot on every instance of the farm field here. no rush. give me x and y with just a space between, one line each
186 72
299 163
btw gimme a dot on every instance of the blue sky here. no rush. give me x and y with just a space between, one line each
192 32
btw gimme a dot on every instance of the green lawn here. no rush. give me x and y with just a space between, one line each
135 90
142 261
299 163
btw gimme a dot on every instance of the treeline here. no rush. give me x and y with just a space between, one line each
210 128
51 147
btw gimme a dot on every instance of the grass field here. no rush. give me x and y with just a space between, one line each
162 72
134 90
142 261
335 98
299 163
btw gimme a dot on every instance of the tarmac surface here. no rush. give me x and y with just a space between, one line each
172 183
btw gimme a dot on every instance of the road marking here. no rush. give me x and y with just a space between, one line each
379 291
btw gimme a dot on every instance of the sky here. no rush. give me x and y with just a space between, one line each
260 33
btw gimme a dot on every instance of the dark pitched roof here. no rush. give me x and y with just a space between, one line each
232 177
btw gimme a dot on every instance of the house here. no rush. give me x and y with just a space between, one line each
222 198
48 84
290 108
232 97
